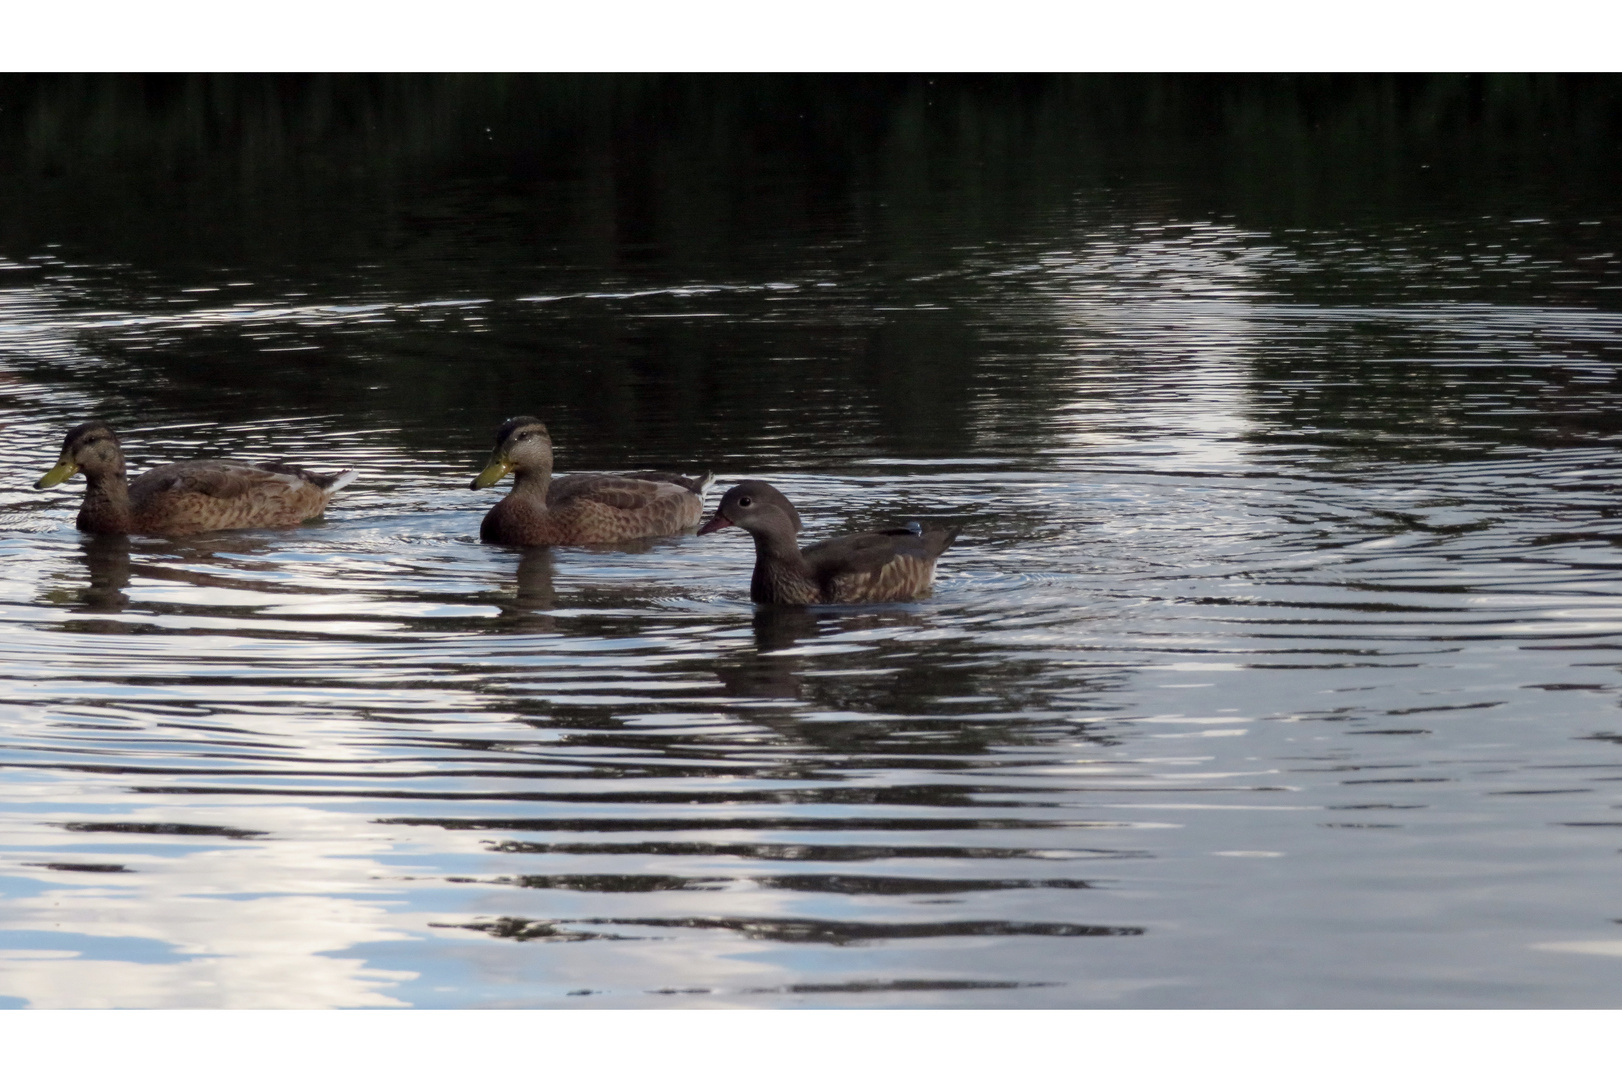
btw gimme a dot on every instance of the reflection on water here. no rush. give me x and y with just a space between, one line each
773 669
1276 664
103 575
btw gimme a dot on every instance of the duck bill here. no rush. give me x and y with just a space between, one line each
63 470
493 472
715 523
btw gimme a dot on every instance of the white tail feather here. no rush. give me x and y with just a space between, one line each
342 480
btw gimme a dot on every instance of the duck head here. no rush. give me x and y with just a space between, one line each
757 507
522 446
90 448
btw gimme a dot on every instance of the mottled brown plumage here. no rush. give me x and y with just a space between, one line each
188 496
897 564
581 508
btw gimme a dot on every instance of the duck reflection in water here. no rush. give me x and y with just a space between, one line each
216 560
534 594
107 563
188 561
772 672
795 649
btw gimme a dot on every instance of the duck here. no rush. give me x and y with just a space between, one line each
581 508
863 568
185 497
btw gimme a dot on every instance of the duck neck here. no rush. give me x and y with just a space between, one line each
781 575
106 507
531 485
778 545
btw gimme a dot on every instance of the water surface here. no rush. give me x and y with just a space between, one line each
1277 663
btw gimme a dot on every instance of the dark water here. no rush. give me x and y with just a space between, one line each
1278 663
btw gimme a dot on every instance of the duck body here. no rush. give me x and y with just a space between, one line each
863 568
186 497
581 508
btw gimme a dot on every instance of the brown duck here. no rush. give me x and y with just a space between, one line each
866 568
581 508
188 496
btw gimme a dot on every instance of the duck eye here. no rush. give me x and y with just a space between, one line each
745 501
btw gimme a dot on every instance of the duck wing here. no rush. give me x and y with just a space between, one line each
329 482
216 479
618 492
698 485
857 554
865 552
898 564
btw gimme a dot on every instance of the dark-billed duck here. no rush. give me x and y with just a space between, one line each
865 568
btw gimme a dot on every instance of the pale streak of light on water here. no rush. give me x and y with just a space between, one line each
1203 711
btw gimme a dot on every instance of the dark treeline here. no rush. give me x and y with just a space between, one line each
283 166
265 125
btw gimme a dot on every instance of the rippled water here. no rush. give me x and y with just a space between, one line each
1277 663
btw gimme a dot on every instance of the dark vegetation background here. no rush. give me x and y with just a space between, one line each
253 168
409 188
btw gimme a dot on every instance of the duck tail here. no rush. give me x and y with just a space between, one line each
941 539
704 483
332 484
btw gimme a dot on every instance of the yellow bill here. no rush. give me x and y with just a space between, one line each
493 472
63 470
